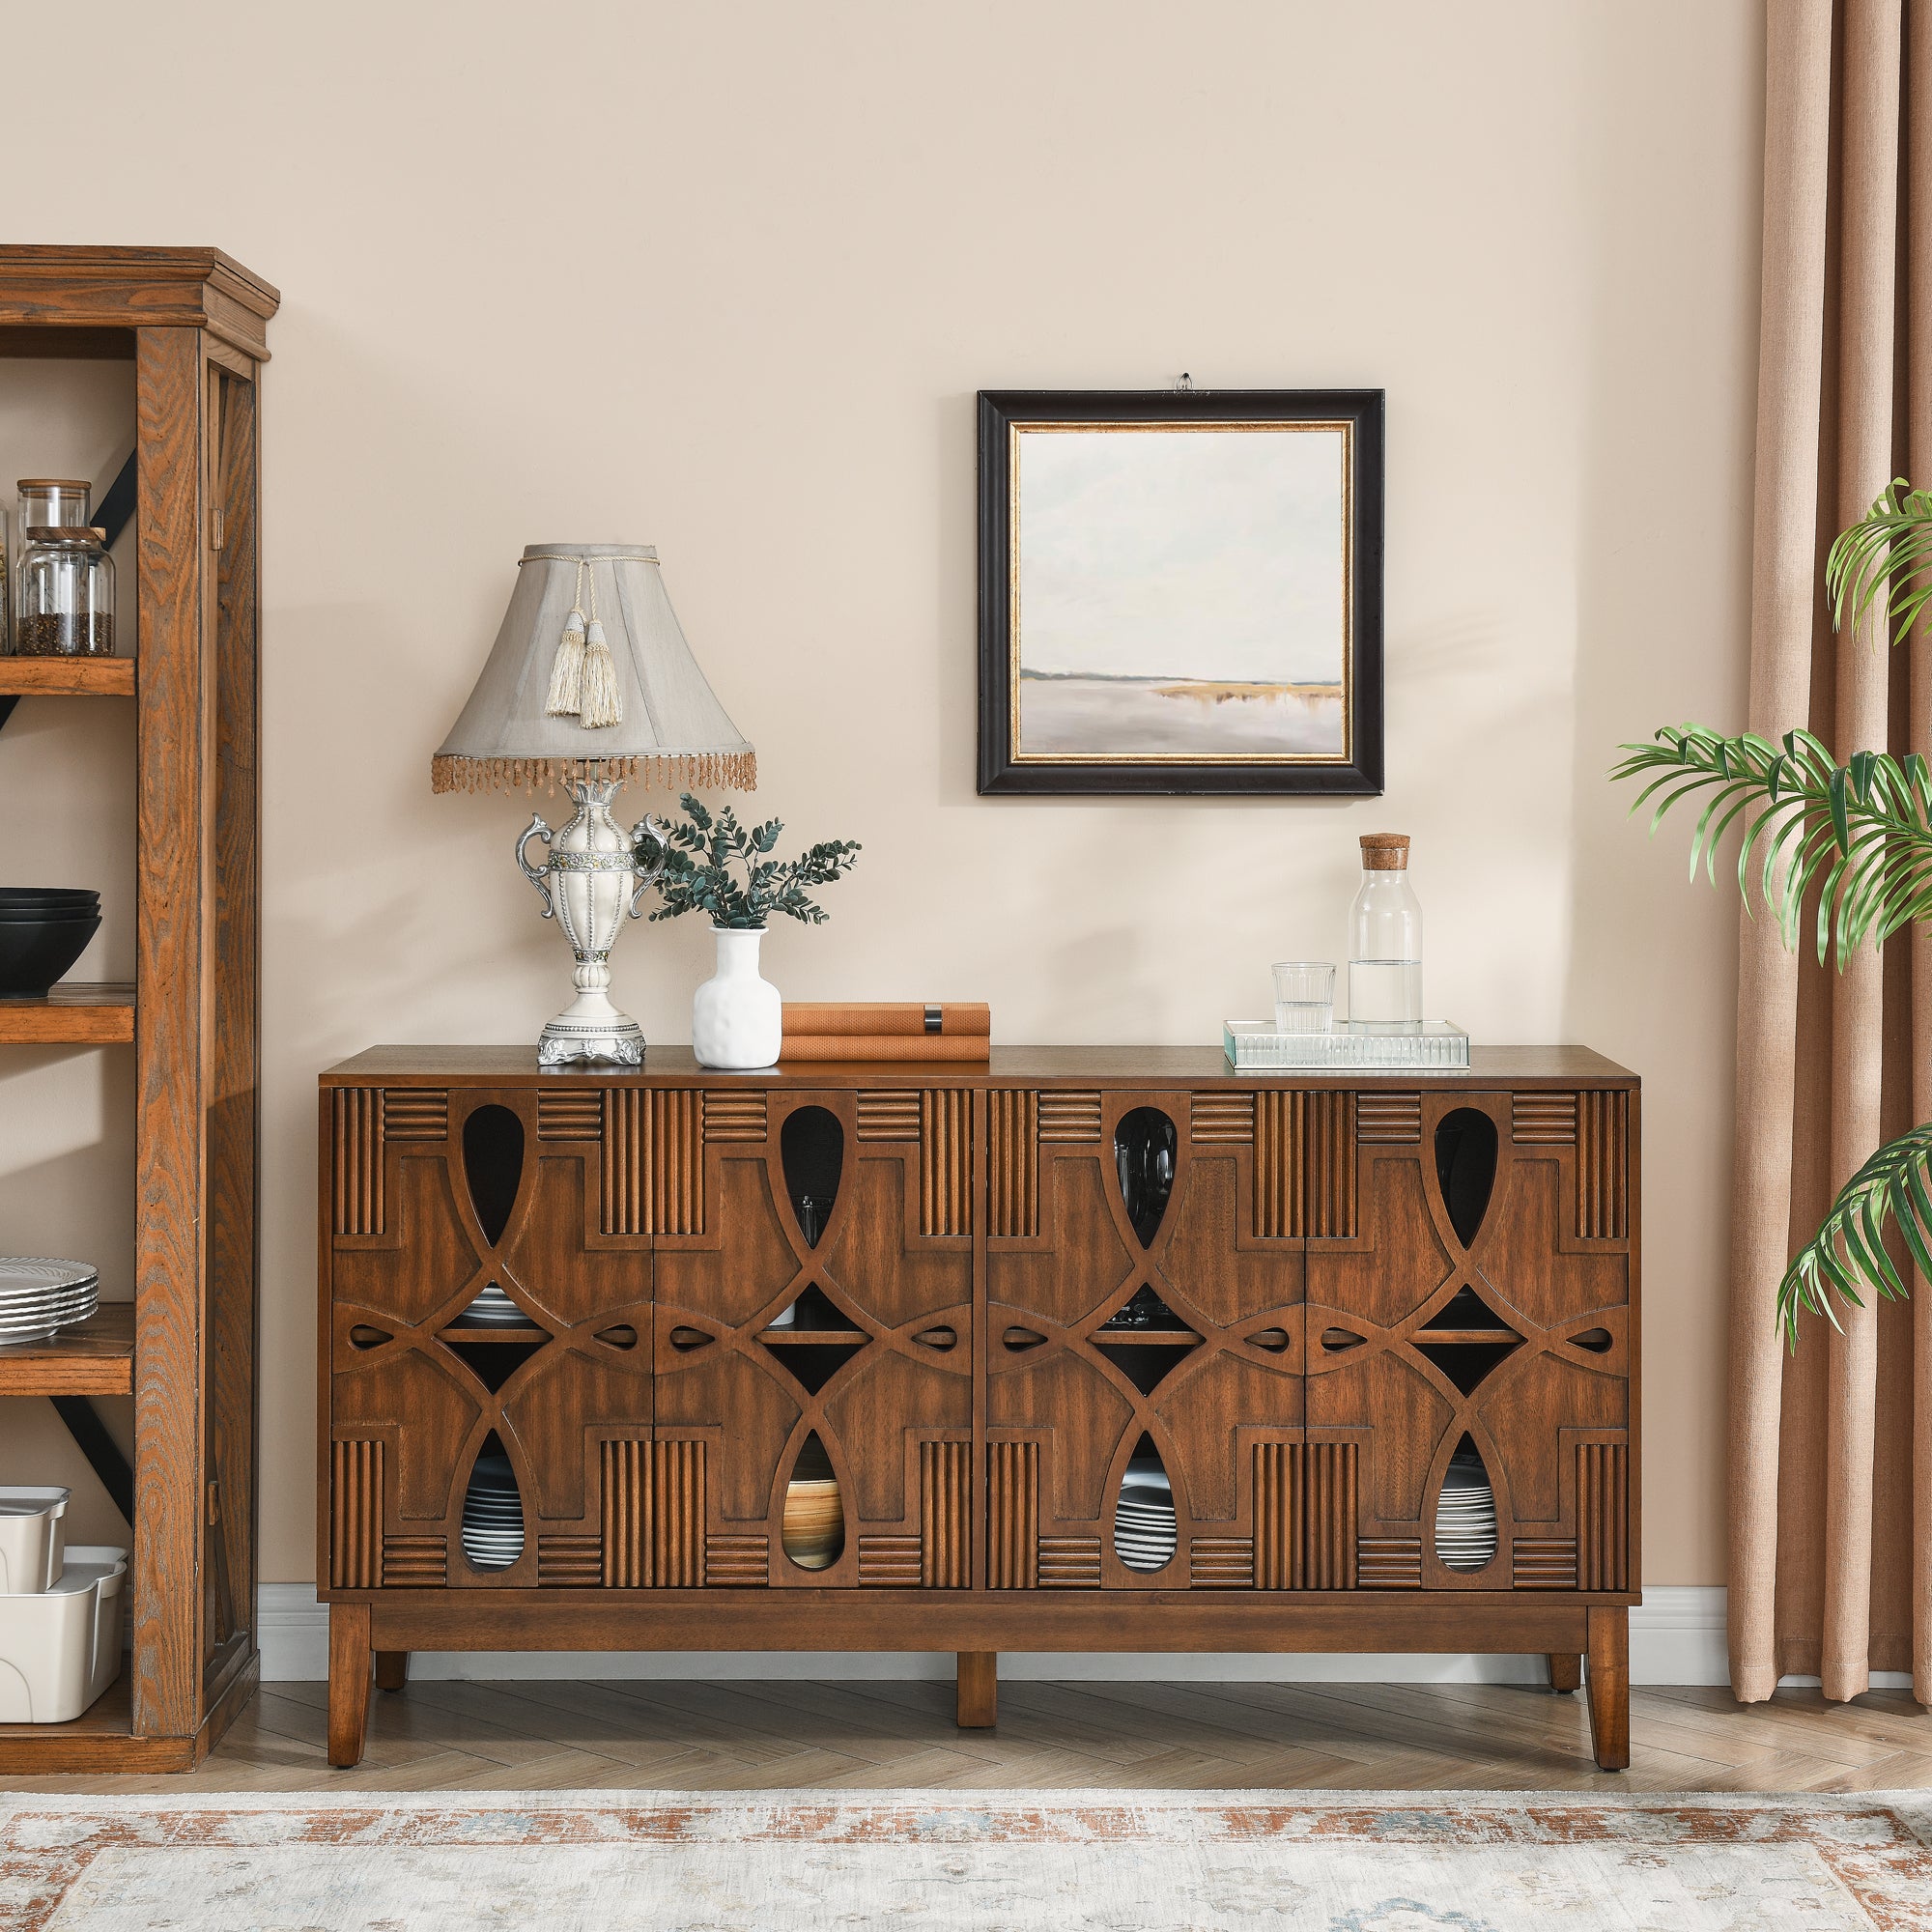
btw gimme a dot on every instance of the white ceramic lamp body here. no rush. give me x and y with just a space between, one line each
737 1020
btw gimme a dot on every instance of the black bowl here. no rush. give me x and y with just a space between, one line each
49 893
34 955
45 915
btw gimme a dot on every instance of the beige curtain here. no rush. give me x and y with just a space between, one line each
1831 1451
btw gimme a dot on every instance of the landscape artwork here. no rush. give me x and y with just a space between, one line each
1181 592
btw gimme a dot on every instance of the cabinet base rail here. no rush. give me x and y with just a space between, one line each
370 1637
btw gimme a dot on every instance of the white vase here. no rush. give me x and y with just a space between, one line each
736 1020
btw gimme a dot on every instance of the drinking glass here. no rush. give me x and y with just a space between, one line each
1304 996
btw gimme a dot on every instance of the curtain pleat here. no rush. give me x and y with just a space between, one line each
1831 1463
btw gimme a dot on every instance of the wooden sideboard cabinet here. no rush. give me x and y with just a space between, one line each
1376 1335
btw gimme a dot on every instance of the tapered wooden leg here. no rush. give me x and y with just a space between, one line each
1566 1670
393 1670
978 1690
348 1655
1610 1688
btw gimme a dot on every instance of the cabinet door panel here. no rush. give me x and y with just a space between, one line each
887 1394
1127 1331
1507 1338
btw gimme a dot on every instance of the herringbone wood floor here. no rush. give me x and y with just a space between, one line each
447 1736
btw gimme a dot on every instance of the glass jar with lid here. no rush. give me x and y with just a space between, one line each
50 503
67 594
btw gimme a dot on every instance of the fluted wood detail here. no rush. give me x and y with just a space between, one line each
1544 1562
1304 1163
1069 1563
653 1161
653 1515
356 1515
1221 1563
1221 1118
625 1544
889 1113
414 1562
1389 1563
1307 1504
1603 1516
889 1563
945 1161
569 1562
1012 1516
357 1166
945 1514
737 1562
415 1113
1603 1166
1543 1120
1388 1119
735 1116
576 1116
1069 1117
1012 1159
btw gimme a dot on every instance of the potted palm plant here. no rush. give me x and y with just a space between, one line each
737 1018
1859 836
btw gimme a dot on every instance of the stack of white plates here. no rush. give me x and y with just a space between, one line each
493 1516
1143 1532
39 1296
494 1309
1466 1515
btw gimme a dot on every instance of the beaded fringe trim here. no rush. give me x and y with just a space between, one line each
686 770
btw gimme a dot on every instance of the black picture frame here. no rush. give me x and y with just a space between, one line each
1356 773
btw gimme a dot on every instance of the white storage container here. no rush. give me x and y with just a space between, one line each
32 1539
61 1648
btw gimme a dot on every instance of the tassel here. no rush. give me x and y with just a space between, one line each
602 703
566 670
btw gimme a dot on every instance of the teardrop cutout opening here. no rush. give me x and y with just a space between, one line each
1466 1168
814 1511
620 1336
1465 1512
1273 1340
362 1336
1144 1145
942 1340
1144 1525
1598 1341
1335 1341
1019 1340
812 1150
684 1339
493 1166
493 1510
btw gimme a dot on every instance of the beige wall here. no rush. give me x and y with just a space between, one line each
724 278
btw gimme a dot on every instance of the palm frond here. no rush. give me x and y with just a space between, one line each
1885 559
1893 1189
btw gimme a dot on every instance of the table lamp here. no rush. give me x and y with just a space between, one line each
590 683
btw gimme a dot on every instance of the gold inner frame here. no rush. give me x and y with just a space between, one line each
1345 426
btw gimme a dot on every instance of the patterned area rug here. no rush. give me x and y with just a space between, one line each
1001 1862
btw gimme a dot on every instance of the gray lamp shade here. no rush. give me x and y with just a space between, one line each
671 732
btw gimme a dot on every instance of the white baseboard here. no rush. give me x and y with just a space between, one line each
1677 1636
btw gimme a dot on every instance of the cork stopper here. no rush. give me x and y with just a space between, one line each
1385 851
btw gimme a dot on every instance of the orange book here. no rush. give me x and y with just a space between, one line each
931 1020
883 1046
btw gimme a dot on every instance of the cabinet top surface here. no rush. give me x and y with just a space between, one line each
1008 1066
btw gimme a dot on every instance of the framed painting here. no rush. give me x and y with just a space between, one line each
1180 591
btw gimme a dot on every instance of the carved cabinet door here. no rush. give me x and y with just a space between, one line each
490 1336
1469 1344
1144 1339
814 1342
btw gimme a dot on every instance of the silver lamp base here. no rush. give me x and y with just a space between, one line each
575 1034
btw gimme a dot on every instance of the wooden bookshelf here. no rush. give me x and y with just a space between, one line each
193 323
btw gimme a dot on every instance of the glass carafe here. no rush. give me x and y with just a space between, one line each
1385 941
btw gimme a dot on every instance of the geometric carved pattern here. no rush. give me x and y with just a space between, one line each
737 1562
1305 1163
734 1117
1543 1563
945 1161
1543 1120
415 1113
414 1562
1389 1563
1013 1180
889 1562
1603 1166
1603 1516
569 1562
1069 1117
1069 1563
1222 1119
358 1160
1305 1516
570 1116
356 1515
1012 1516
1221 1563
653 1161
945 1516
653 1515
1388 1119
889 1114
